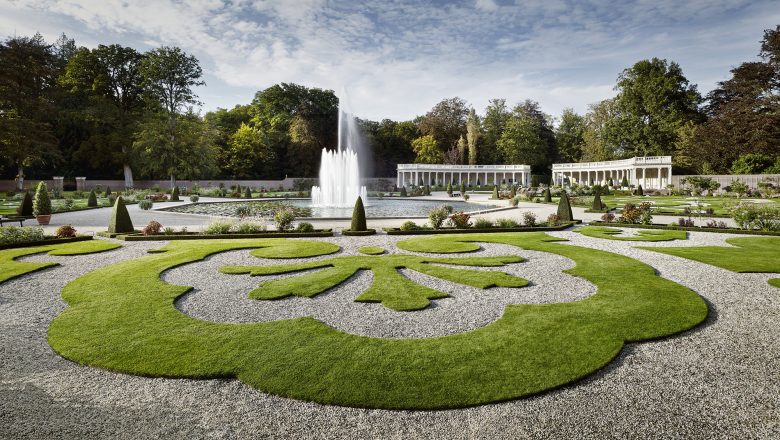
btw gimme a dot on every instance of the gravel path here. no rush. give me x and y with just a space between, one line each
720 380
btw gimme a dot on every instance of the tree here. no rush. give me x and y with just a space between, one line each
751 163
110 78
446 122
596 144
249 154
654 100
427 150
528 137
28 74
473 133
496 117
169 77
358 216
569 136
462 149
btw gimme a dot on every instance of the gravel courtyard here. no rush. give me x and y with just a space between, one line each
720 380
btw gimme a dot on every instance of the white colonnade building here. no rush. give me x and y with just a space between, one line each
652 172
435 174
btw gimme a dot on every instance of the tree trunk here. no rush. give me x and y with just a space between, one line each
173 182
20 178
128 176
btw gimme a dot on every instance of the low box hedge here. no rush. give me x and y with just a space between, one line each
351 233
685 228
199 236
428 231
47 241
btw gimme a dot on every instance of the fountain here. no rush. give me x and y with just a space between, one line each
340 169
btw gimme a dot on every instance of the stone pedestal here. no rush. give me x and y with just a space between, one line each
81 183
58 183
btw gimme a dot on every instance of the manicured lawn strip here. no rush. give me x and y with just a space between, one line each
10 268
133 327
641 235
371 250
686 228
775 282
48 240
389 287
448 230
751 254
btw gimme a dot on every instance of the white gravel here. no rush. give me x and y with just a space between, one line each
720 380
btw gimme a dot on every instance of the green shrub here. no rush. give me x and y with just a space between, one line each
512 192
248 193
65 231
175 194
219 227
284 218
194 198
495 192
169 230
639 191
752 216
564 208
42 203
460 220
529 218
507 223
18 235
304 227
409 226
437 215
597 205
92 199
427 190
250 227
358 216
624 182
26 207
145 204
482 223
462 188
514 201
243 211
68 204
120 221
449 189
403 192
111 200
547 195
108 191
465 197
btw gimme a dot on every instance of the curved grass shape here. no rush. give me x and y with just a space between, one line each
10 268
641 235
133 327
389 287
371 250
751 254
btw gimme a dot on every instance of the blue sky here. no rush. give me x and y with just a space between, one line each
398 59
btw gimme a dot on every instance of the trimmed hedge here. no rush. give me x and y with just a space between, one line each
685 228
358 216
120 219
26 208
198 236
92 199
564 208
42 203
352 233
425 231
46 241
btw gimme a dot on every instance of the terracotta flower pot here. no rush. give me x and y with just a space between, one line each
43 219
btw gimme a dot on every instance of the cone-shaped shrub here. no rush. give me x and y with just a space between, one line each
640 191
358 216
42 203
403 191
248 193
26 208
175 194
610 183
108 191
495 192
120 219
512 192
597 205
449 189
547 195
624 182
564 208
92 199
462 188
427 190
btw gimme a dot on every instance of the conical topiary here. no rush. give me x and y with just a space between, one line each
449 189
610 183
26 208
427 190
120 219
358 216
624 182
175 194
92 199
639 191
108 191
564 208
597 205
495 192
42 203
247 193
462 188
403 191
513 192
547 195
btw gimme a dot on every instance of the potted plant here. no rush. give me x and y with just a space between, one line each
42 204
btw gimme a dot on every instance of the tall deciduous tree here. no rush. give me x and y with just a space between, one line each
446 122
427 150
596 143
110 77
473 135
28 74
249 154
569 136
496 117
654 100
528 138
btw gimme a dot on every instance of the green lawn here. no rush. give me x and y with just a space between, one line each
751 254
8 207
371 250
10 268
641 234
122 318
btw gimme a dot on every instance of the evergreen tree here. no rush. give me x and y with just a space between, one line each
547 195
495 192
108 191
358 216
175 194
624 182
449 189
564 208
26 208
92 199
42 203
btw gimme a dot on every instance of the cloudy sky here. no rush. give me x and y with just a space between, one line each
398 58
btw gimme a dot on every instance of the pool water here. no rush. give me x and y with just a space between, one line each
393 208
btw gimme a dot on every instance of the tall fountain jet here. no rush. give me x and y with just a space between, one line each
340 169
